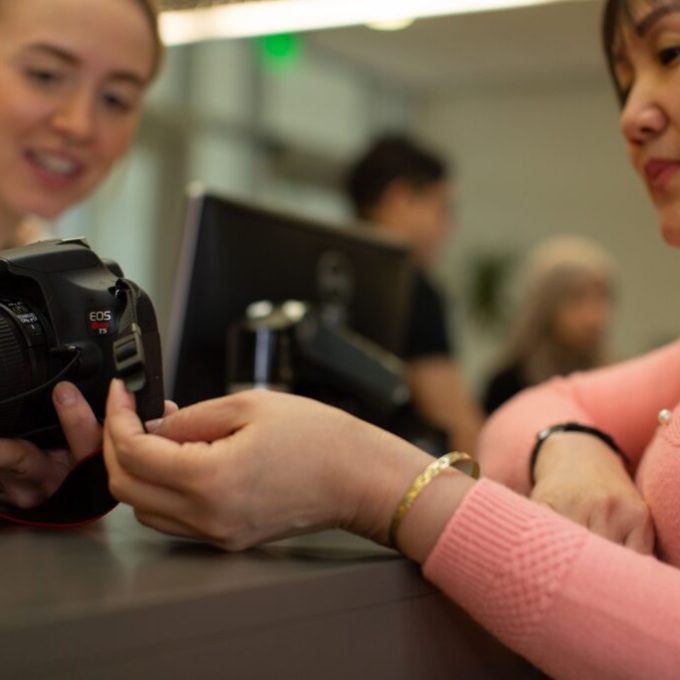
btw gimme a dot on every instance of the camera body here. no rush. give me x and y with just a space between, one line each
67 315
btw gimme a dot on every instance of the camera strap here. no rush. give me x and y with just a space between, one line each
128 350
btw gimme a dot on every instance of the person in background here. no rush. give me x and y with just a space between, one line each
73 74
403 189
578 601
561 321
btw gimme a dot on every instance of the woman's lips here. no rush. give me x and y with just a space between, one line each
659 172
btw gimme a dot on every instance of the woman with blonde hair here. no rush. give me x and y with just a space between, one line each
73 74
560 325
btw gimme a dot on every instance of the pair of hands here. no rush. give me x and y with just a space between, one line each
579 477
241 470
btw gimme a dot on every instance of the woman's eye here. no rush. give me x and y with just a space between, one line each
669 54
116 103
43 76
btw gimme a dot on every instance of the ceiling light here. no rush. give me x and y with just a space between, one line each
265 17
392 25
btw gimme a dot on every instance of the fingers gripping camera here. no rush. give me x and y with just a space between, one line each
67 315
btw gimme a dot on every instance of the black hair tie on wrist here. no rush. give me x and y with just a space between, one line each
573 427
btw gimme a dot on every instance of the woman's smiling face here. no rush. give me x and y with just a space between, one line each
72 74
646 65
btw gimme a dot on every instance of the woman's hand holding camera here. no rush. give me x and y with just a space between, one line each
30 475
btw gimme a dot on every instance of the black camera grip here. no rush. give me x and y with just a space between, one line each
82 498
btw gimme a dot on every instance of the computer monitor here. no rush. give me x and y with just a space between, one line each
234 253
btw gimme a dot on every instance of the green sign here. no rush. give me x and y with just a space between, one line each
279 51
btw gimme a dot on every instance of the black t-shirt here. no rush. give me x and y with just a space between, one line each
426 337
426 332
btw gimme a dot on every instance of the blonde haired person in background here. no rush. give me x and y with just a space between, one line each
561 319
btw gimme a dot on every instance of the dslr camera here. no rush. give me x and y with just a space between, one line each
67 315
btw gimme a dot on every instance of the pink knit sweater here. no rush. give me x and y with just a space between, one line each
575 604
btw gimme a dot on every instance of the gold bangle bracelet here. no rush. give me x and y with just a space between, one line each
456 459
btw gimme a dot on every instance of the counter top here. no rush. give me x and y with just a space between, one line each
116 599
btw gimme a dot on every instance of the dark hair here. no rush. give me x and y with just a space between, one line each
618 13
389 158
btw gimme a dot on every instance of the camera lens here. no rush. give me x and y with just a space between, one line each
24 365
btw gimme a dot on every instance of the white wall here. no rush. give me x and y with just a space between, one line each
546 158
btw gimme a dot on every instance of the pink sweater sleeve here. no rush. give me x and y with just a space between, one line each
572 603
622 400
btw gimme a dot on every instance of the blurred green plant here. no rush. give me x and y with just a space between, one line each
487 294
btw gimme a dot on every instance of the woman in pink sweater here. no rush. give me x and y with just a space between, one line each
243 469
